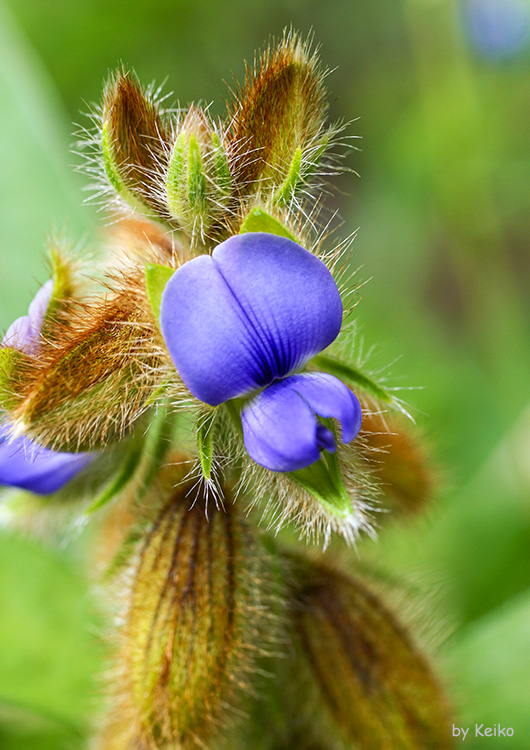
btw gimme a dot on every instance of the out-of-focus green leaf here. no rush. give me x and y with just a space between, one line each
50 654
24 728
489 667
477 542
38 190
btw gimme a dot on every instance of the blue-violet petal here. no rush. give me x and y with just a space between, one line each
280 425
26 465
24 332
255 310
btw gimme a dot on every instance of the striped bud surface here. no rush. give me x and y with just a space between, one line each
193 627
378 688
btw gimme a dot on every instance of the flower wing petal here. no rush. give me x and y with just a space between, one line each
280 425
330 397
279 429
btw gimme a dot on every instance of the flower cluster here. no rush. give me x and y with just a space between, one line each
206 368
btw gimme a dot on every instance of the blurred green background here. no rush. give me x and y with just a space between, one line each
440 88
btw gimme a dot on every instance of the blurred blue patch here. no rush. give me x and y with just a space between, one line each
497 28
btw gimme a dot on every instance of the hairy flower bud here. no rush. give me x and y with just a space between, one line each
198 182
133 139
396 458
277 119
377 687
92 379
195 622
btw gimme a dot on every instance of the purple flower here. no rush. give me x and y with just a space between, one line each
27 465
23 463
240 322
24 332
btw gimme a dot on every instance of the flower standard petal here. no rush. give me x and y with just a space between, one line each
287 293
208 337
280 425
30 467
254 311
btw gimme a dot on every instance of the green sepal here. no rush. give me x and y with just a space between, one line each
355 377
120 479
112 171
294 177
205 433
233 408
196 177
259 220
156 278
145 456
174 178
323 480
309 167
63 282
127 548
223 178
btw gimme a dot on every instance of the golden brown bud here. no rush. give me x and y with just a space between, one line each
398 461
376 685
92 377
278 116
196 620
133 139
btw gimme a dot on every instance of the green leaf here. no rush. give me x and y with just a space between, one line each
322 480
260 221
48 630
156 278
355 377
121 478
205 442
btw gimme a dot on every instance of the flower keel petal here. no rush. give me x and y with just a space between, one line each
280 425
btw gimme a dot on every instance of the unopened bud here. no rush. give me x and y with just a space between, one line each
375 684
396 458
277 120
92 377
198 182
133 137
194 624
